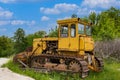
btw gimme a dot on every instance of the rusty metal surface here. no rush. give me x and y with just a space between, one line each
56 62
70 54
70 64
100 64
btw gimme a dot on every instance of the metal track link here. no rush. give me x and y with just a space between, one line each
81 62
101 64
84 66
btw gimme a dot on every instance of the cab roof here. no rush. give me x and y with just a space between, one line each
73 20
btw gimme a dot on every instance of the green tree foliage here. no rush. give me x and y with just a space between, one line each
53 32
20 41
39 34
85 19
92 17
6 46
74 16
30 37
106 26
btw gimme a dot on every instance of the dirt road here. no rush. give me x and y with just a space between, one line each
6 74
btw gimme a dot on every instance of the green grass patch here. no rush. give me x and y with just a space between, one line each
111 72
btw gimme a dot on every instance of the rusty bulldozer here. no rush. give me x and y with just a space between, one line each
71 51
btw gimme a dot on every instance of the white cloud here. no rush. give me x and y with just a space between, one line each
86 11
22 22
67 17
100 3
1 8
59 8
82 11
64 8
15 1
5 13
88 6
32 22
49 10
7 1
4 23
45 18
16 22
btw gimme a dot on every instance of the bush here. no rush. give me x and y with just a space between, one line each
108 49
6 46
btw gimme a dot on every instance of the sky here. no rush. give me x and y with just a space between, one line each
36 15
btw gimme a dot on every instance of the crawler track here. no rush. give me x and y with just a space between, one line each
60 63
100 63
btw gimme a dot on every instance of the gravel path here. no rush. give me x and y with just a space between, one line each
6 74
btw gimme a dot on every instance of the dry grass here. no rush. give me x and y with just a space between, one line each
108 49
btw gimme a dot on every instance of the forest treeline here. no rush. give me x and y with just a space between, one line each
106 25
20 41
106 28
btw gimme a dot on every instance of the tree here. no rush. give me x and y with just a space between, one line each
106 24
6 46
92 17
30 37
74 16
53 32
85 19
39 34
20 41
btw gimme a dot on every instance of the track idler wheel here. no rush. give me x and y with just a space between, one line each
80 66
74 66
99 64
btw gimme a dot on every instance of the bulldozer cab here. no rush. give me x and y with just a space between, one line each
71 34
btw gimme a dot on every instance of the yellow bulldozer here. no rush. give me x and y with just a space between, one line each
71 51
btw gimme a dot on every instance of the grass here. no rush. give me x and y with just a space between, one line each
111 72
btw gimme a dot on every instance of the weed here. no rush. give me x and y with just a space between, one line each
110 72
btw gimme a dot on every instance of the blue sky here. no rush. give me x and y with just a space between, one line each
35 15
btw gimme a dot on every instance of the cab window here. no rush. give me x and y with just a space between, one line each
88 30
64 31
80 29
73 30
